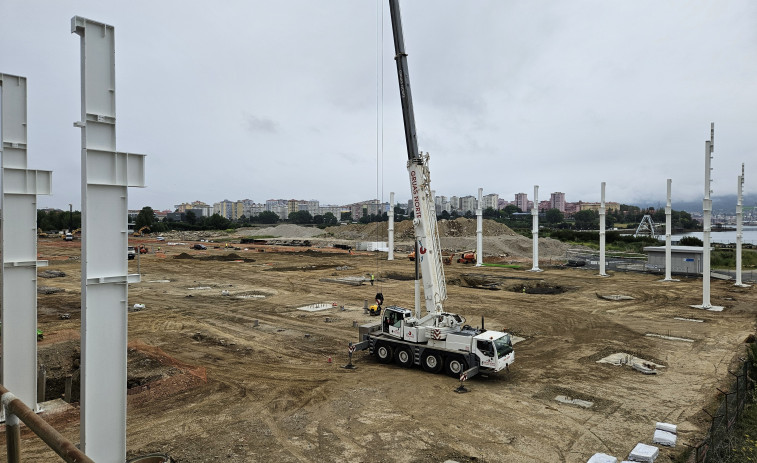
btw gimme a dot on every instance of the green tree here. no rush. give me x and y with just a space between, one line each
346 216
445 215
586 219
267 217
490 213
329 219
691 241
554 216
190 217
511 209
301 217
217 222
146 217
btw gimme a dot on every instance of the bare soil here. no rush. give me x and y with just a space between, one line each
224 367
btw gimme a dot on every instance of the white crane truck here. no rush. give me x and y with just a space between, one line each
439 340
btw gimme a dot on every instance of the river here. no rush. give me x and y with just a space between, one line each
749 235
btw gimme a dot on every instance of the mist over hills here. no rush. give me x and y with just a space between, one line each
720 204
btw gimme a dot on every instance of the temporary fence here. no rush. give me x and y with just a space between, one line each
716 445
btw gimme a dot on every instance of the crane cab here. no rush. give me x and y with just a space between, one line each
393 321
494 350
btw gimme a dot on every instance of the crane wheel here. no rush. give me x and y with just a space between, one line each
404 357
455 365
384 353
432 362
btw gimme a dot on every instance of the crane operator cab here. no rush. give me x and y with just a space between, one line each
494 350
393 319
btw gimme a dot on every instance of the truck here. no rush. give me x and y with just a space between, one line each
439 339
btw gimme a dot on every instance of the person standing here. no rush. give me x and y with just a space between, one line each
372 278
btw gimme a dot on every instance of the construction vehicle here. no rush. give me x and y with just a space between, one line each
468 257
143 249
142 231
41 234
446 258
439 340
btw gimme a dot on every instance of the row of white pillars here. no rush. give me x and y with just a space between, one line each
19 243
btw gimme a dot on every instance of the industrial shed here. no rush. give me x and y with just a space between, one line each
683 259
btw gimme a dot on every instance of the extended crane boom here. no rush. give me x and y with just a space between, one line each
439 340
424 212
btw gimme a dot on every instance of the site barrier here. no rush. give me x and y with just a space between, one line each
717 445
16 410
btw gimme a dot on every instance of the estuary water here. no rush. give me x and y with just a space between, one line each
749 235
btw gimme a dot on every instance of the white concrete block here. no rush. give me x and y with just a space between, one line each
644 453
667 427
664 438
602 458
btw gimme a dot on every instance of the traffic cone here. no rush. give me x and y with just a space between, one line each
329 360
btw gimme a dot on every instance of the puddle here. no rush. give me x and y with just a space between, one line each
516 339
616 297
158 281
200 287
250 296
684 319
571 401
669 338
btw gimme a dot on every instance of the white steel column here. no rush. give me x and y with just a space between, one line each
668 239
602 234
106 174
709 147
739 227
535 230
390 214
479 230
19 244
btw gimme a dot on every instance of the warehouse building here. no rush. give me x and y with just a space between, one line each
683 259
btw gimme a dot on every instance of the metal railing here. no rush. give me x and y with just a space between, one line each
16 410
716 445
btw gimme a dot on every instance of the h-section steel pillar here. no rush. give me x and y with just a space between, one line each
106 174
19 244
479 230
535 231
602 233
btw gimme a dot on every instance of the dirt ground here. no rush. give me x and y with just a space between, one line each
224 367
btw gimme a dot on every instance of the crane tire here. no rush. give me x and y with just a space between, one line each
404 357
432 362
455 365
383 352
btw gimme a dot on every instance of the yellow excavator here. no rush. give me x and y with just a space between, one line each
142 231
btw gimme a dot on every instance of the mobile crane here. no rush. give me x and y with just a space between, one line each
439 340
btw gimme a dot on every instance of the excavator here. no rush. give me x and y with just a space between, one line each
142 231
439 339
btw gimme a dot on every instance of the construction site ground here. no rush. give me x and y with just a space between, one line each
223 366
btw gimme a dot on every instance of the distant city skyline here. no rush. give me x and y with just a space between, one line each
225 114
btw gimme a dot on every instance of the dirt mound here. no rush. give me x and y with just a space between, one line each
286 230
456 236
183 255
378 231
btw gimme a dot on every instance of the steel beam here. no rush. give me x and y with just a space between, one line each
19 243
106 176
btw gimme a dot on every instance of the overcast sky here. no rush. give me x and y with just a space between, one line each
261 100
